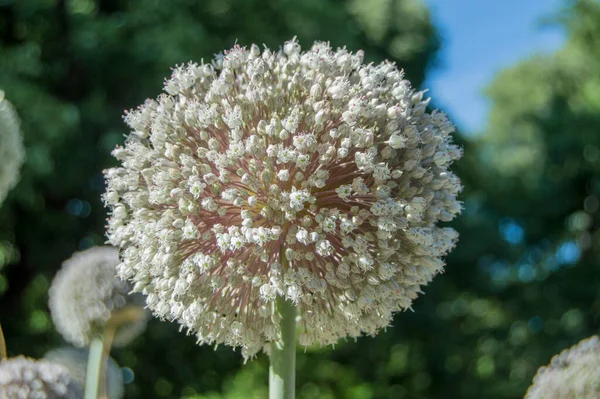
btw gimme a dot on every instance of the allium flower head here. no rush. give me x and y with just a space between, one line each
574 373
75 360
11 147
305 175
24 378
86 293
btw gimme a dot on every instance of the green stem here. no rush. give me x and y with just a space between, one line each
92 378
3 354
282 371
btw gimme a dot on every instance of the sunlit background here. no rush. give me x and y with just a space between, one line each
521 79
479 39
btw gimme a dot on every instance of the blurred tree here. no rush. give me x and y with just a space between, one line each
530 229
523 283
71 67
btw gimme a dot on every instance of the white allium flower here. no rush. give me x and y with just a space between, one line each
75 360
86 293
24 378
283 154
574 373
12 152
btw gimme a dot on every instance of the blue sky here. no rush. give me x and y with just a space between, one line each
481 37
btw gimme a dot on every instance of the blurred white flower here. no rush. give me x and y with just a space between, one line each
12 152
314 156
24 378
75 360
574 373
86 293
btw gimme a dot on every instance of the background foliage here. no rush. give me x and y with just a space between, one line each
523 283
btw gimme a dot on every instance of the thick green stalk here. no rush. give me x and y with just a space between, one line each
92 378
282 371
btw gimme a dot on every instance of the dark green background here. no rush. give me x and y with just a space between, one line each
523 283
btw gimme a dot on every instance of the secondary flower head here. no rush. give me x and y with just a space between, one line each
75 360
86 293
574 373
11 147
305 175
21 377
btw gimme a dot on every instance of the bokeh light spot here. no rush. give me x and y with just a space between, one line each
526 273
511 231
163 387
572 320
485 366
128 375
79 208
39 321
568 253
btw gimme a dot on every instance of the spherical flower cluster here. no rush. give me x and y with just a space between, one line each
12 152
574 373
22 378
75 360
86 293
304 175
